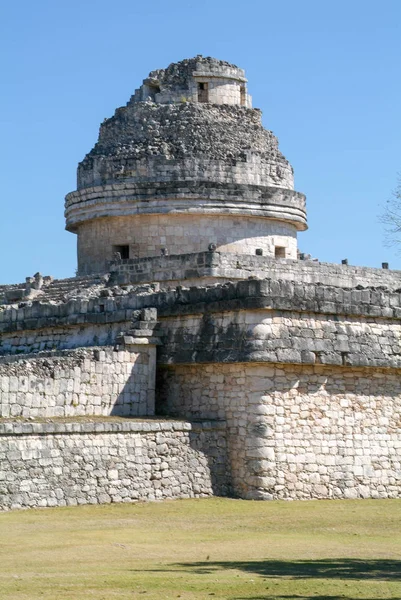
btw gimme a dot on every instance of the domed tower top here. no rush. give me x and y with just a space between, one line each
199 79
184 166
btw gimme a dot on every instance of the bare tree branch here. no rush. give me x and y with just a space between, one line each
391 218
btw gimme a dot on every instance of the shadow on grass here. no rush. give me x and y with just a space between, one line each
292 597
345 568
342 569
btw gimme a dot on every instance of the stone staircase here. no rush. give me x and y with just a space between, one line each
57 290
61 290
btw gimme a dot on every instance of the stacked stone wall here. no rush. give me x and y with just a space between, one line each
360 322
281 336
219 267
149 235
65 464
92 381
185 142
49 339
298 432
119 305
178 82
306 376
169 172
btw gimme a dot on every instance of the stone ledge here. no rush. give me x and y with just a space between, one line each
221 74
189 197
266 294
59 428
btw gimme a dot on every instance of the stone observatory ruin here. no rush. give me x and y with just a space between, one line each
196 352
187 163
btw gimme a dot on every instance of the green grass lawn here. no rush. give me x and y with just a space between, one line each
200 549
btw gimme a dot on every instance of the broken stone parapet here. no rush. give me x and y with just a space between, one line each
200 79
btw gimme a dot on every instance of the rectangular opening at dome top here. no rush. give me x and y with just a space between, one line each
153 90
203 92
242 95
123 251
279 252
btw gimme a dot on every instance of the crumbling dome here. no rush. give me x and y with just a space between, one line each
185 166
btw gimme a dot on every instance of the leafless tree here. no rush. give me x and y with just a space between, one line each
391 217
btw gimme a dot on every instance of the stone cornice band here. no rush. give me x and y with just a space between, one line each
129 198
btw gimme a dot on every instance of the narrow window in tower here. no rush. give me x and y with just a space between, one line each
203 92
242 95
279 251
123 251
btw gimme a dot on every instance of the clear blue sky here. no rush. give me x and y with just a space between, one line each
325 73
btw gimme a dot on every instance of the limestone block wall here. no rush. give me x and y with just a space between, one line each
251 170
65 464
47 339
37 326
148 235
87 381
327 359
206 268
298 432
221 90
280 336
166 86
185 142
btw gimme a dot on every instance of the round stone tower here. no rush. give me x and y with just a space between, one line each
186 164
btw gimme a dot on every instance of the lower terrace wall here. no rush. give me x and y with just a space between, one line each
81 382
64 464
295 431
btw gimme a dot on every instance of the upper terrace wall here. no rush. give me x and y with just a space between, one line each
219 266
252 320
201 269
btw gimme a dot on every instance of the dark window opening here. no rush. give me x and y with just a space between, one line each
152 91
279 252
242 95
203 92
123 251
